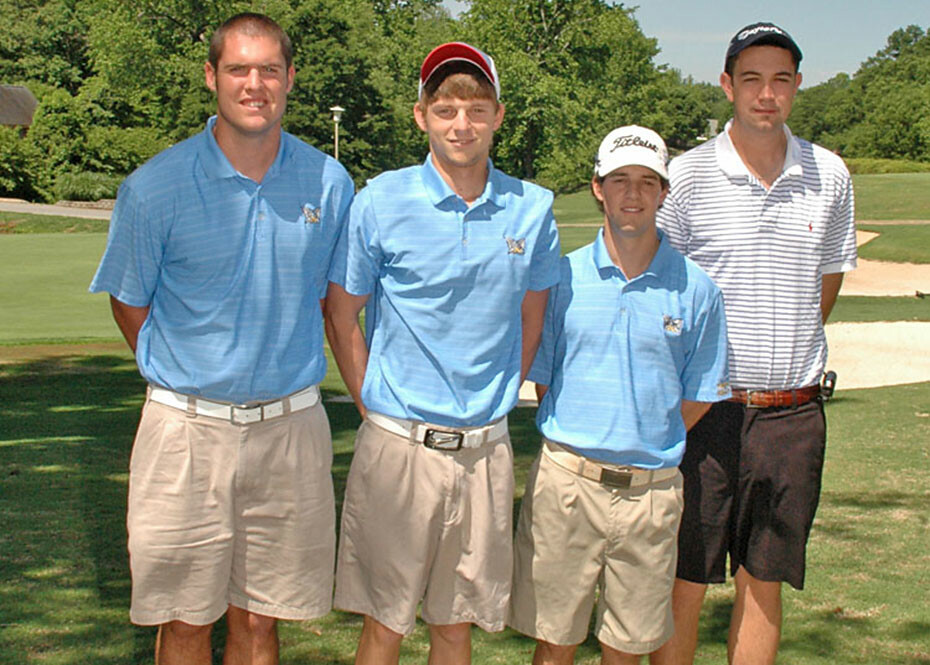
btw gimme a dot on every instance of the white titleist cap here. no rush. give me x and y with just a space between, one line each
632 146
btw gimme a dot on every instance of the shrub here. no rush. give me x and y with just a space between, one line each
20 164
86 186
873 165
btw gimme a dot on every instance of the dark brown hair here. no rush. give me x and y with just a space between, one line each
252 25
459 79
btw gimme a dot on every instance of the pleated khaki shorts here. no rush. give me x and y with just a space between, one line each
579 540
223 514
426 524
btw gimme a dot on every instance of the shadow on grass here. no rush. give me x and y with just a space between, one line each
67 430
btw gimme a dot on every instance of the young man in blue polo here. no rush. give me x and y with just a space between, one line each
454 260
216 263
633 352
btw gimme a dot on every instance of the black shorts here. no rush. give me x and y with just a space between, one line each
752 483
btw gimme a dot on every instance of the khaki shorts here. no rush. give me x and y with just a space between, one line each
223 514
576 539
422 523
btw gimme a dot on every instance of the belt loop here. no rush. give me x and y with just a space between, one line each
191 406
286 405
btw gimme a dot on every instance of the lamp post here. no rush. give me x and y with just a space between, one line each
337 116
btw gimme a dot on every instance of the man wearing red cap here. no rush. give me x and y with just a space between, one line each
454 260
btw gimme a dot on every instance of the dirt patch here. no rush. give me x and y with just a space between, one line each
880 278
867 355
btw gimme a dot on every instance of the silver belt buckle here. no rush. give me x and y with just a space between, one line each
749 404
440 440
619 479
245 414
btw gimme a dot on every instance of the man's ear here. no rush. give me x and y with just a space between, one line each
291 73
419 114
596 189
209 76
498 116
726 82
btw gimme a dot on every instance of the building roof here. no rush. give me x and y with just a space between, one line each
17 104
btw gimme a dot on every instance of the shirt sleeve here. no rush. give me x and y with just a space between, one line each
340 195
357 260
840 241
705 377
131 263
544 270
672 216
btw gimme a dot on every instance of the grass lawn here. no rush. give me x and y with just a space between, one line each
68 423
900 243
16 222
44 295
892 196
864 308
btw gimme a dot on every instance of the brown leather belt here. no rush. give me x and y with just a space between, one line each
764 399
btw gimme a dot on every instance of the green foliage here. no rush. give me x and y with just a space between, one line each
86 186
876 165
881 112
20 164
117 150
570 72
43 41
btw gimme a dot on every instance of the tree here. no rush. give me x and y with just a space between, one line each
571 71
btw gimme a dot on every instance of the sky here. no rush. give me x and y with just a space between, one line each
834 35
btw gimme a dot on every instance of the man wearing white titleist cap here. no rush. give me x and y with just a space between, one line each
770 217
634 350
454 260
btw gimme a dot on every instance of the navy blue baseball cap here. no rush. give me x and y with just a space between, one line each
761 34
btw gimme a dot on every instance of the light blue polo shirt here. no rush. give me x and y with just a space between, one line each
232 269
446 282
619 356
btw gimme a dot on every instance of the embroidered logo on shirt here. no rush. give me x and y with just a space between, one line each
723 388
311 215
671 325
515 245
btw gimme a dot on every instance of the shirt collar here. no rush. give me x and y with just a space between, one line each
216 165
732 164
602 260
439 190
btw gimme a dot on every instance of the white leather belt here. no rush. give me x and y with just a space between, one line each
622 477
237 414
439 437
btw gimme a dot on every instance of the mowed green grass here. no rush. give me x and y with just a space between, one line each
44 296
898 243
892 196
68 423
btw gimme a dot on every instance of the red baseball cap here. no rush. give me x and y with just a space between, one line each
459 51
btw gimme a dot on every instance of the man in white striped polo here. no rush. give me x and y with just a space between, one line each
770 218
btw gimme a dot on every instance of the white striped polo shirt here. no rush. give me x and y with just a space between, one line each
766 250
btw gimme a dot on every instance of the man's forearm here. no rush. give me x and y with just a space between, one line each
129 319
532 313
829 291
